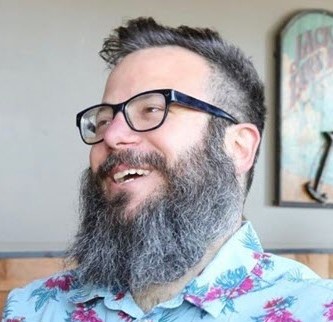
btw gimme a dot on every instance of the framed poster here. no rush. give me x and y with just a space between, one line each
305 111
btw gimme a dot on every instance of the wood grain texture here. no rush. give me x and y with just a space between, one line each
320 263
18 272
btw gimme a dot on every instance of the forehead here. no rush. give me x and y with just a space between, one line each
153 68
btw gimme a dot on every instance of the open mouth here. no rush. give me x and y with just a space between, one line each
129 175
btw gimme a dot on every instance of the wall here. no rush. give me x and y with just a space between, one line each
50 70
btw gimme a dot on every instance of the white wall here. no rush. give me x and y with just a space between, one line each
50 70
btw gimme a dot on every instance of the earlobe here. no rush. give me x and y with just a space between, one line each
241 143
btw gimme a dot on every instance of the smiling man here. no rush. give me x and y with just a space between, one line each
173 147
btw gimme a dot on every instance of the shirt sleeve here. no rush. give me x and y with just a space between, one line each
20 305
16 308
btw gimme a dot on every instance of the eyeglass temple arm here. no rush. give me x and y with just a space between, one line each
203 106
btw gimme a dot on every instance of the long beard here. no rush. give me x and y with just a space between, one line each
170 231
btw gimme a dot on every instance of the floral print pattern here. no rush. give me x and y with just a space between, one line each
62 283
124 317
83 313
277 311
51 288
232 284
328 313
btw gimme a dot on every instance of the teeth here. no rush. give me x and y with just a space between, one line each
120 176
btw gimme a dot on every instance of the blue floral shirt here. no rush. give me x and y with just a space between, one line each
242 283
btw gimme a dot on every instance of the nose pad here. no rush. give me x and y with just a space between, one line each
119 133
120 111
118 120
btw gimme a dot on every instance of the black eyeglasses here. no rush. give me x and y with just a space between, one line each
143 112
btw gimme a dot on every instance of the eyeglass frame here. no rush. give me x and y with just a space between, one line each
171 96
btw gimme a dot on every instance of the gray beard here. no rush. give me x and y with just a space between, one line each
170 231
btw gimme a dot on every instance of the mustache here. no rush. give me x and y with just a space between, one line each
132 159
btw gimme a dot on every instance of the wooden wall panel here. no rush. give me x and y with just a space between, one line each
320 263
3 297
18 272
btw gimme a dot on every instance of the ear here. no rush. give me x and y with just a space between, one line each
241 142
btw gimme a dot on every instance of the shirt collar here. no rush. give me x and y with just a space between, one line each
227 275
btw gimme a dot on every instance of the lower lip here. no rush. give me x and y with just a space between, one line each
114 185
126 181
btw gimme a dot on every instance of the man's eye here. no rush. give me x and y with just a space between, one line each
102 124
153 109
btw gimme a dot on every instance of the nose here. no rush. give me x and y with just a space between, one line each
119 135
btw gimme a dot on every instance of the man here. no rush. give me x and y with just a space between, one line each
173 147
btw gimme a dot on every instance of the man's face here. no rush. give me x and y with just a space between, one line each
153 68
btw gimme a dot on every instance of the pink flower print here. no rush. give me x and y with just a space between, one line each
280 316
261 256
194 300
264 263
256 255
82 314
328 313
246 286
124 316
277 310
63 282
257 270
119 296
273 303
214 293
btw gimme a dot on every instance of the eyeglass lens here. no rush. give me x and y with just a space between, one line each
142 113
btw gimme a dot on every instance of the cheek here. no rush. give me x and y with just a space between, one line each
97 157
174 139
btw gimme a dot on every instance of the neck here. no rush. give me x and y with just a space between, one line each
155 294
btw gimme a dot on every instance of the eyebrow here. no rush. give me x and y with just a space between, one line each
103 109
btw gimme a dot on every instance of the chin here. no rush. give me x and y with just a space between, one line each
134 206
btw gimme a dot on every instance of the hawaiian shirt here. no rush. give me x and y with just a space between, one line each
242 283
